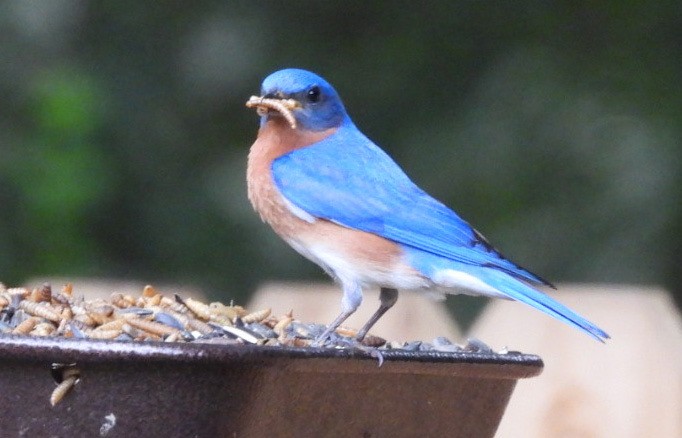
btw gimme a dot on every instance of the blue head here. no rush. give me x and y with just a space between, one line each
318 106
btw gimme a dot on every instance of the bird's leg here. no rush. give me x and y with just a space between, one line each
352 297
387 298
332 327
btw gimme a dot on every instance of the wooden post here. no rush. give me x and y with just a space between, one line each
629 387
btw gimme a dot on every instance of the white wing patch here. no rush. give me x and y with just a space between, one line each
298 212
460 282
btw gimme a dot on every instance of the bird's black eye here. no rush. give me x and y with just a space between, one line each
314 94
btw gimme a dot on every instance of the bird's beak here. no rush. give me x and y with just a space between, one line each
283 106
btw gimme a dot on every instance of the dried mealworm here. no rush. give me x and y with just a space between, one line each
283 106
221 309
221 319
69 376
152 327
201 310
42 310
67 313
62 389
100 307
175 304
61 298
122 300
46 292
200 326
116 324
21 291
43 329
41 294
295 342
100 319
78 309
26 326
66 376
67 290
282 325
148 291
346 331
104 334
99 311
153 301
84 319
34 295
131 331
256 316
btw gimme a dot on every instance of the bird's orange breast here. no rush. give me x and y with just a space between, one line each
275 139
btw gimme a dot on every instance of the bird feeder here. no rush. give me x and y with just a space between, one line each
125 389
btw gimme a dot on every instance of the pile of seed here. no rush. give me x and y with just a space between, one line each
151 316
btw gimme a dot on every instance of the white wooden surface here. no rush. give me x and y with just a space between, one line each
630 387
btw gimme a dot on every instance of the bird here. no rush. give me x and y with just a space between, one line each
342 202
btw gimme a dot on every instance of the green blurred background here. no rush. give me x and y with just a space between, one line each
554 128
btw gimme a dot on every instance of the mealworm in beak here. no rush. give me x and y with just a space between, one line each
282 106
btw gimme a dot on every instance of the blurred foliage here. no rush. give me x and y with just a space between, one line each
555 128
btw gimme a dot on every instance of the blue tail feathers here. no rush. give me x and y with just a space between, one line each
519 291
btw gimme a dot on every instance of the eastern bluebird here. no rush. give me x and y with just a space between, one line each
343 203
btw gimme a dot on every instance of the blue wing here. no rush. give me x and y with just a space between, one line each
349 180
